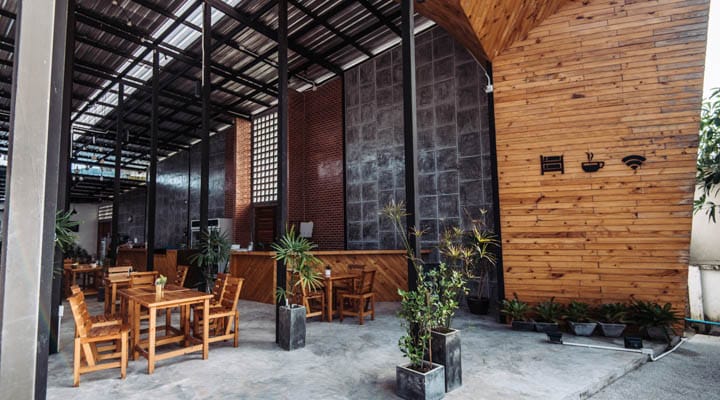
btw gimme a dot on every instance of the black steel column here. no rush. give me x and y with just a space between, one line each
205 134
65 172
152 170
282 195
115 242
496 193
36 118
410 130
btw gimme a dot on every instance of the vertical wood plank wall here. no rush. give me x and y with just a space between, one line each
613 78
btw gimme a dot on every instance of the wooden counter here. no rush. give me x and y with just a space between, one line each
165 264
136 257
258 269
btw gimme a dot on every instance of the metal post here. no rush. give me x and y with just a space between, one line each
115 242
205 134
282 195
152 170
496 192
410 130
34 150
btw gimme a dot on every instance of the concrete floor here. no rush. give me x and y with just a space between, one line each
691 372
348 361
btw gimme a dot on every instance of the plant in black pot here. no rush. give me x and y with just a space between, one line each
654 320
548 313
577 314
295 252
518 312
418 379
611 319
212 256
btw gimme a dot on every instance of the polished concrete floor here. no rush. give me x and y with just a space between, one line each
349 361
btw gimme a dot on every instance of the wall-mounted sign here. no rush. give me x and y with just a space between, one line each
634 161
551 164
590 165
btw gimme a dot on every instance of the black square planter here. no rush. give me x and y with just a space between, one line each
415 385
292 327
446 351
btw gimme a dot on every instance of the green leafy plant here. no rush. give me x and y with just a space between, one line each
447 284
647 314
213 250
418 307
549 311
708 161
577 311
295 251
64 236
161 280
515 309
612 313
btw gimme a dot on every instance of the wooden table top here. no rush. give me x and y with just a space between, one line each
172 298
85 268
337 277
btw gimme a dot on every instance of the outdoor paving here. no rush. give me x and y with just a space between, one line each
349 361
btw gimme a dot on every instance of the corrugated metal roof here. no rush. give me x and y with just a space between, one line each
336 34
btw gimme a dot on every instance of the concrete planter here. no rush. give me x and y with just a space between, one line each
446 351
657 333
612 330
582 328
414 385
546 327
292 327
527 326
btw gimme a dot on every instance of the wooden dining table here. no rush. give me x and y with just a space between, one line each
85 271
328 281
183 298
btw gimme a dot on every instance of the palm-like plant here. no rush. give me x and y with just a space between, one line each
213 250
64 236
708 161
295 251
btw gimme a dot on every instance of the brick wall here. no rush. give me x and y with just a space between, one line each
316 163
238 203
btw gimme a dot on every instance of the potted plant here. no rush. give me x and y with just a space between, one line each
654 320
295 252
548 314
482 258
577 314
212 256
160 283
419 379
518 312
611 318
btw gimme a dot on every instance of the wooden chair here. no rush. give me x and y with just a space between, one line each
124 270
87 355
345 286
218 292
359 299
224 315
313 296
143 278
182 271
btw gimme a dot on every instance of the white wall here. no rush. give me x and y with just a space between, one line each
705 242
87 217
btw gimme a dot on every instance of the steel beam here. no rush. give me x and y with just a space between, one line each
152 170
115 241
410 134
205 95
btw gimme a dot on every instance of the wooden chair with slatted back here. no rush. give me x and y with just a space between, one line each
313 296
182 271
218 292
347 286
87 356
97 320
224 319
143 278
124 270
360 298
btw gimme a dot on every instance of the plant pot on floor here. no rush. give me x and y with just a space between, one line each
612 330
291 323
446 351
582 328
414 385
527 326
478 305
546 327
658 333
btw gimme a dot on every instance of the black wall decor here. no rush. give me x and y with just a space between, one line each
590 165
551 164
634 161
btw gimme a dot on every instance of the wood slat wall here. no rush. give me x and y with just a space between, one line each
614 78
258 269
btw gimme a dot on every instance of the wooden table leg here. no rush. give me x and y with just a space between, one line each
329 299
151 340
113 299
135 317
206 327
107 301
185 322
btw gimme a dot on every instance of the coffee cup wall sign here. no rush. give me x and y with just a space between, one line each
590 165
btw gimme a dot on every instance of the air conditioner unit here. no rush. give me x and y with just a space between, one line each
223 225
